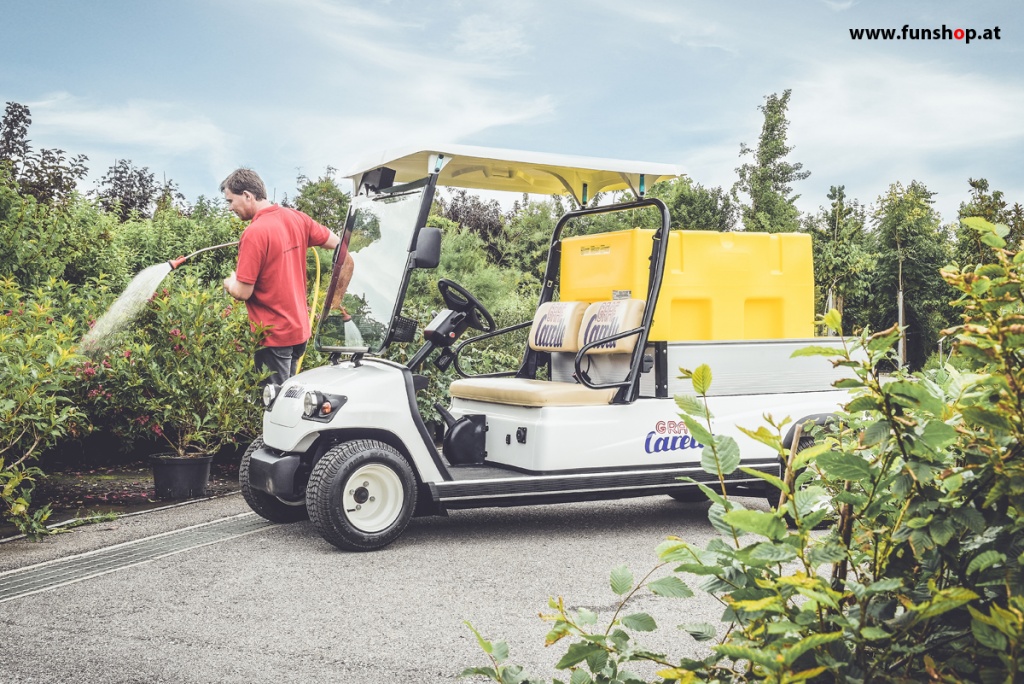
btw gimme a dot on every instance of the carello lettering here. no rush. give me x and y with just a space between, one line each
654 444
601 326
550 333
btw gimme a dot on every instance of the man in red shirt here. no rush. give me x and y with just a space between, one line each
271 273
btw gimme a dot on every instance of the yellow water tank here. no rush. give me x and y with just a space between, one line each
717 286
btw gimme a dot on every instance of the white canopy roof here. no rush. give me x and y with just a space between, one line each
483 168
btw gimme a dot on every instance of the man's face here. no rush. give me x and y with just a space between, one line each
243 205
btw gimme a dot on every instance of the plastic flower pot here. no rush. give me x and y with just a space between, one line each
180 478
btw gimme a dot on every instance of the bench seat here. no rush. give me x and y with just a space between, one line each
533 393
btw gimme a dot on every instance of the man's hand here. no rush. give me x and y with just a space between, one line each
240 291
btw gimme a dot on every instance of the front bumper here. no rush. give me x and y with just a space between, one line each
277 473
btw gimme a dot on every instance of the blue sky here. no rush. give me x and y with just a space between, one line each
194 88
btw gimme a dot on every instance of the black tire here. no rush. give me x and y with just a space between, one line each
263 504
689 495
361 495
772 495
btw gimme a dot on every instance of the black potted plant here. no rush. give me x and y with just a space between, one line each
183 379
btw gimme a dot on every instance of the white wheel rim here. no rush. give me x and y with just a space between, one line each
373 498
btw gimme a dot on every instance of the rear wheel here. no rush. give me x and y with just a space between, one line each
689 495
267 505
361 495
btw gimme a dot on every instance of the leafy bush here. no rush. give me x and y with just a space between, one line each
918 577
37 366
185 377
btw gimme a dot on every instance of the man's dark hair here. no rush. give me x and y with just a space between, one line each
243 179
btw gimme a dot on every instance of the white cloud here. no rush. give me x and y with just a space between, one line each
897 106
156 129
490 38
871 122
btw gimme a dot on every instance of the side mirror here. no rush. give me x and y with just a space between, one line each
428 248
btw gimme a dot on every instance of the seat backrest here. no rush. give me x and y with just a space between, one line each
608 318
556 326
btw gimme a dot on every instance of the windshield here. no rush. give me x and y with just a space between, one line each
361 299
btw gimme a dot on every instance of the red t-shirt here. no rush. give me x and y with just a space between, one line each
272 258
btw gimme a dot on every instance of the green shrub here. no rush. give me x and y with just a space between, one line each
184 378
37 367
918 577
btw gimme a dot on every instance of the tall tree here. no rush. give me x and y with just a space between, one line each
991 206
768 179
127 191
907 287
694 207
842 258
322 199
46 174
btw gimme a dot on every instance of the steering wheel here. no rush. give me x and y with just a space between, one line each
458 299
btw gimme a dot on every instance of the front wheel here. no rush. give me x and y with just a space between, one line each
266 505
361 495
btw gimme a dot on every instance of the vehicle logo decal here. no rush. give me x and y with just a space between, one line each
670 435
603 324
551 327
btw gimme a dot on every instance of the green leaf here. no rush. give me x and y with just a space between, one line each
757 522
716 515
621 580
671 587
874 633
938 435
728 456
767 477
701 631
884 340
847 383
827 553
641 622
577 653
834 321
697 429
702 379
816 351
876 432
481 671
692 405
764 436
776 553
915 394
863 403
586 617
581 677
985 560
839 466
986 418
988 636
809 643
993 240
754 655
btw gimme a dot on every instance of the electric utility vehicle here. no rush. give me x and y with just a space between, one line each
589 413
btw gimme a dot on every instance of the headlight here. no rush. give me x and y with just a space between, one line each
269 394
311 403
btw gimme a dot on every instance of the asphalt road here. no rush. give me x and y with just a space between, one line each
282 605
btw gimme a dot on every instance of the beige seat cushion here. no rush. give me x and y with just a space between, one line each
556 326
608 318
525 392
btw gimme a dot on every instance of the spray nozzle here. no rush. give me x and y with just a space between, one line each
175 263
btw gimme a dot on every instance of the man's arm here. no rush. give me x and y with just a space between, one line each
240 291
332 242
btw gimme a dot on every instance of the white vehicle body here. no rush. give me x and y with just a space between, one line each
365 466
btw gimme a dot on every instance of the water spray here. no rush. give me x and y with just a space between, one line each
132 301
